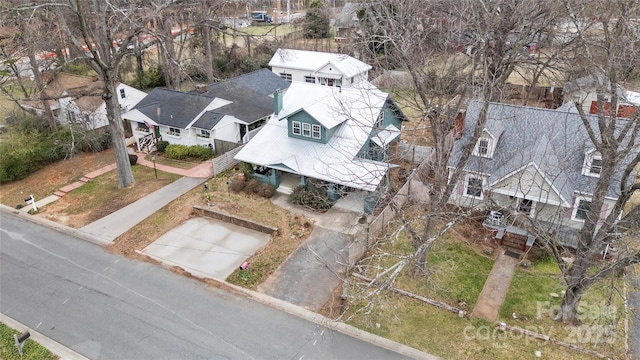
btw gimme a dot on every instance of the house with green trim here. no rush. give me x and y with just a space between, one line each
343 137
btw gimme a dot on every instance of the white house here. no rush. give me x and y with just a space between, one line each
220 116
322 68
583 91
76 98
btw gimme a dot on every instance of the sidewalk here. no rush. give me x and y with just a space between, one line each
117 223
495 288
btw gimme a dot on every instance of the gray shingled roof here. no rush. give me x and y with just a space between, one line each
177 109
553 140
250 94
208 120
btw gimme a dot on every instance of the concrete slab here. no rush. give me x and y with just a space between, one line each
206 247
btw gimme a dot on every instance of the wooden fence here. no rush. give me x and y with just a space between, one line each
225 161
414 153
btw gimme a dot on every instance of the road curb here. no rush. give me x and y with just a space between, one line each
56 226
332 324
256 296
55 347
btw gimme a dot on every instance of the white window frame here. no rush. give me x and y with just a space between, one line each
316 129
587 167
476 150
306 129
122 94
204 133
576 205
532 209
310 79
286 76
296 128
174 131
466 186
322 80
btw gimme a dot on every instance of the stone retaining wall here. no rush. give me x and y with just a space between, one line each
214 213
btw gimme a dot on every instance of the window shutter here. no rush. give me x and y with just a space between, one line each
569 211
603 213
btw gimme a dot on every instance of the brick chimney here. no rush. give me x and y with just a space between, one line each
277 101
458 124
201 88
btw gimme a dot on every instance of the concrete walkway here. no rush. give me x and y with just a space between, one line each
495 288
117 223
204 170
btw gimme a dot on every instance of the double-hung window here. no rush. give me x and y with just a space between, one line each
473 187
581 209
315 131
286 76
295 128
306 129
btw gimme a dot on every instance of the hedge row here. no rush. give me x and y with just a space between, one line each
182 152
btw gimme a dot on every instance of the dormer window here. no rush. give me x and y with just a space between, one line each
483 148
592 164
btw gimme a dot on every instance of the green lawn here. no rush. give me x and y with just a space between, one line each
30 351
457 273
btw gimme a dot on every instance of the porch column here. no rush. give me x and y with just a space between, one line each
303 181
332 193
275 177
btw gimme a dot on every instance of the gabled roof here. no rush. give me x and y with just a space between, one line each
314 60
554 141
249 94
173 108
86 90
332 106
336 161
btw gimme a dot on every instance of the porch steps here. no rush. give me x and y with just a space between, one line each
283 189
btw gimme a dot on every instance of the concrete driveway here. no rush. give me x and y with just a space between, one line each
206 247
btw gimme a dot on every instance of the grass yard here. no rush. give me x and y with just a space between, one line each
30 351
52 177
457 272
101 196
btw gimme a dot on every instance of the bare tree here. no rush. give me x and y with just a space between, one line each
609 54
451 53
491 40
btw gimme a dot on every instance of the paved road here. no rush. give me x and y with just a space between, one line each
105 306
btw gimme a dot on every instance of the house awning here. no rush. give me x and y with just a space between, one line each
386 136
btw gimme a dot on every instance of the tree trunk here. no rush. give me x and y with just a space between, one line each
139 68
37 75
125 175
206 40
570 303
